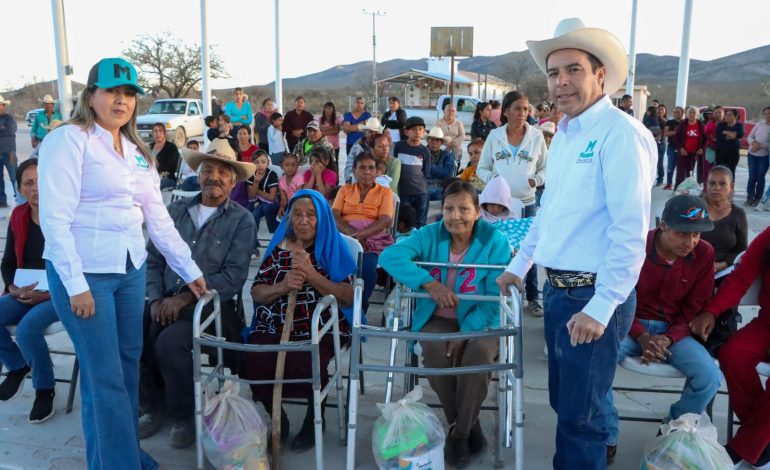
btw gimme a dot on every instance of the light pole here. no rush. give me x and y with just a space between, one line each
63 67
374 56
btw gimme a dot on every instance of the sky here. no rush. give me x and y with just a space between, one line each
316 35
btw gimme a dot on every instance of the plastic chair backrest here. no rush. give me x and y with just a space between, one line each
355 249
751 297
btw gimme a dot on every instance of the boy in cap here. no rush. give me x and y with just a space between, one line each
589 233
676 281
415 169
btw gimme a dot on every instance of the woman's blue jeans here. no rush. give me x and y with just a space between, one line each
108 346
757 170
670 163
530 281
30 347
268 210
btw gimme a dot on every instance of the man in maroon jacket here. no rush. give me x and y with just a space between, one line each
295 122
676 281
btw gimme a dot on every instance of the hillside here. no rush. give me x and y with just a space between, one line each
741 79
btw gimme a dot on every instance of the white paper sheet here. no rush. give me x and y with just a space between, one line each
25 277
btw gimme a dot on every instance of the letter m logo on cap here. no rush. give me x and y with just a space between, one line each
119 70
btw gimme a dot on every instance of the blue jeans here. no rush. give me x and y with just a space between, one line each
690 358
5 161
579 377
369 275
661 157
108 346
757 170
530 282
166 183
418 202
670 163
268 210
32 350
191 183
277 158
435 193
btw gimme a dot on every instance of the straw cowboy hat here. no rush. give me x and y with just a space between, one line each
220 150
571 33
48 99
547 127
371 124
4 101
438 133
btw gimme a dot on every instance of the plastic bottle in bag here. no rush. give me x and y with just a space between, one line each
408 435
687 443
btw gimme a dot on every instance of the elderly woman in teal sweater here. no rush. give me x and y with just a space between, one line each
460 237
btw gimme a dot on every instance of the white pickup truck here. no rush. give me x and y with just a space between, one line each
182 117
465 106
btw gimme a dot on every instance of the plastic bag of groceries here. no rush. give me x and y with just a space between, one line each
689 186
234 436
408 435
687 443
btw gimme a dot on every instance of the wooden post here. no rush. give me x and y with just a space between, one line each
452 82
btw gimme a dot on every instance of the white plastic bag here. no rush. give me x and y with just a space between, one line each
687 443
408 435
689 186
234 435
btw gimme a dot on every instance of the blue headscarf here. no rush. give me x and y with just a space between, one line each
331 250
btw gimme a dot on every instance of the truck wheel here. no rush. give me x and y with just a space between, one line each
180 137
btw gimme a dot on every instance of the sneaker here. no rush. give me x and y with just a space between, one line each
763 462
535 309
182 434
42 409
749 202
667 187
13 384
612 451
151 422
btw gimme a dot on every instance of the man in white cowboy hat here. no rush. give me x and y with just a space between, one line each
352 120
442 163
371 126
589 234
222 236
43 119
7 150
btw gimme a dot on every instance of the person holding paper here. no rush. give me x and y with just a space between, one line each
22 305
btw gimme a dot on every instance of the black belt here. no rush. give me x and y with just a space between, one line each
567 279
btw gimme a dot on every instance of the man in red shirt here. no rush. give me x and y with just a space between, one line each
676 281
295 122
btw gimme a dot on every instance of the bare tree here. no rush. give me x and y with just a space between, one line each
168 64
536 88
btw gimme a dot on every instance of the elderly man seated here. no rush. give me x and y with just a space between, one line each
676 281
442 165
222 236
308 256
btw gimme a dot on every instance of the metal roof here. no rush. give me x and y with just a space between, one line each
409 76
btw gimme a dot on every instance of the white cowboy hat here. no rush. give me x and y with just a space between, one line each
571 33
547 127
371 124
437 133
4 101
48 99
220 150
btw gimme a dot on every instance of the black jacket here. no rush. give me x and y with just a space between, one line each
398 123
168 159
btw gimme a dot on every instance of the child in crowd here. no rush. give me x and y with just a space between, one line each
415 168
469 174
212 123
289 183
276 139
263 191
497 203
406 221
382 179
319 176
190 177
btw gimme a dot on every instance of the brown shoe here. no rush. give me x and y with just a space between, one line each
611 451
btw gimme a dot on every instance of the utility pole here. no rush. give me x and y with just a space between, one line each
63 67
631 52
683 76
374 14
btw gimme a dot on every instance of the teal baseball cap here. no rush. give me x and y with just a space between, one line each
113 72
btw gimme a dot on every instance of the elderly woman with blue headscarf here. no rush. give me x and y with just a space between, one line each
307 255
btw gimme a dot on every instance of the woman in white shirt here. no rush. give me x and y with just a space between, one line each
98 184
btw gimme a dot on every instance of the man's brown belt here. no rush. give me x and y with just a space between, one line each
567 279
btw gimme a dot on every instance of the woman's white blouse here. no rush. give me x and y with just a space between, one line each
92 205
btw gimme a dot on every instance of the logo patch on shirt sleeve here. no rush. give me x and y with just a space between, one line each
587 155
141 162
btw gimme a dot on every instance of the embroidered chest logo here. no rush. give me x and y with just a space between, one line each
587 155
141 162
692 133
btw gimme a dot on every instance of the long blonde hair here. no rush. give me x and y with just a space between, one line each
84 117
